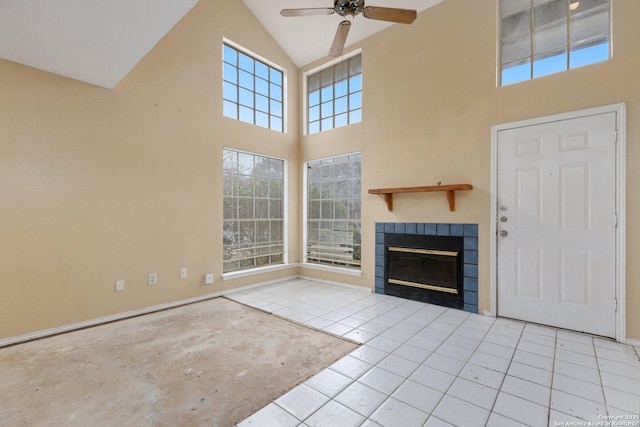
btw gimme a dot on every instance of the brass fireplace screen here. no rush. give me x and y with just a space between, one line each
439 255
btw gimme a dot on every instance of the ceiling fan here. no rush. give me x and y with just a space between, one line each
349 9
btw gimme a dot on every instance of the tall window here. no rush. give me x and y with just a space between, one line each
253 210
334 96
333 211
540 37
252 90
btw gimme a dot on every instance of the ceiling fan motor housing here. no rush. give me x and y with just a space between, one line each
348 7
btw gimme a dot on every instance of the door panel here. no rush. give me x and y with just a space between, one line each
574 196
556 223
528 271
575 277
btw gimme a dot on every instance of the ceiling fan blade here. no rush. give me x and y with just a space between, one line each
340 39
307 12
402 16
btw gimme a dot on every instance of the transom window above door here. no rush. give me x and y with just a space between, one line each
541 37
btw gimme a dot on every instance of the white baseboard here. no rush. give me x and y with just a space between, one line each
258 270
128 314
102 320
633 342
257 285
332 269
148 310
331 282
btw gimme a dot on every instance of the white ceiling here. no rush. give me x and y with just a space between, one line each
95 41
307 39
100 41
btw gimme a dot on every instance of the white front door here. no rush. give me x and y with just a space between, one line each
556 213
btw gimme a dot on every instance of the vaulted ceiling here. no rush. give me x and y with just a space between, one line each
307 39
95 41
99 42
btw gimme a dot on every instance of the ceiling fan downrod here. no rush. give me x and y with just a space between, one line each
349 9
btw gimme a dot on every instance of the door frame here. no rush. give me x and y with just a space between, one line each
621 162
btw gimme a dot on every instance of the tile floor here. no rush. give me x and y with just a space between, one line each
425 365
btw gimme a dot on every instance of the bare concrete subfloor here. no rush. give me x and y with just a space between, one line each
212 363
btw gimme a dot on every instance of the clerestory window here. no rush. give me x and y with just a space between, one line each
334 95
541 37
253 89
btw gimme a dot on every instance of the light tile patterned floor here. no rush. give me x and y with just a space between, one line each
425 365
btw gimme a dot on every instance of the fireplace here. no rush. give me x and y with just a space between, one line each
434 263
425 268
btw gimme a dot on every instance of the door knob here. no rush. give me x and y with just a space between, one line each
504 233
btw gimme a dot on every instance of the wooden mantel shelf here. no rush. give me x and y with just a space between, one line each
450 189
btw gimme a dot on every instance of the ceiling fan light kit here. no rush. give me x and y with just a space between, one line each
349 9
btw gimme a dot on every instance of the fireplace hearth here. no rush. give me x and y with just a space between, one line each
434 263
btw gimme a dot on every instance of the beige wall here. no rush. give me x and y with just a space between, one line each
430 99
99 185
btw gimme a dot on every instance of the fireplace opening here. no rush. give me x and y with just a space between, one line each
425 268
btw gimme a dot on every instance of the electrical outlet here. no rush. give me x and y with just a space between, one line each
183 273
120 285
208 278
153 278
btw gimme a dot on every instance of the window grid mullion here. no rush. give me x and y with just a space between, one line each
252 70
260 247
535 57
568 46
348 98
343 69
531 32
331 246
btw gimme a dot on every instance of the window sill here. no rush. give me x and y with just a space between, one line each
258 270
332 269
